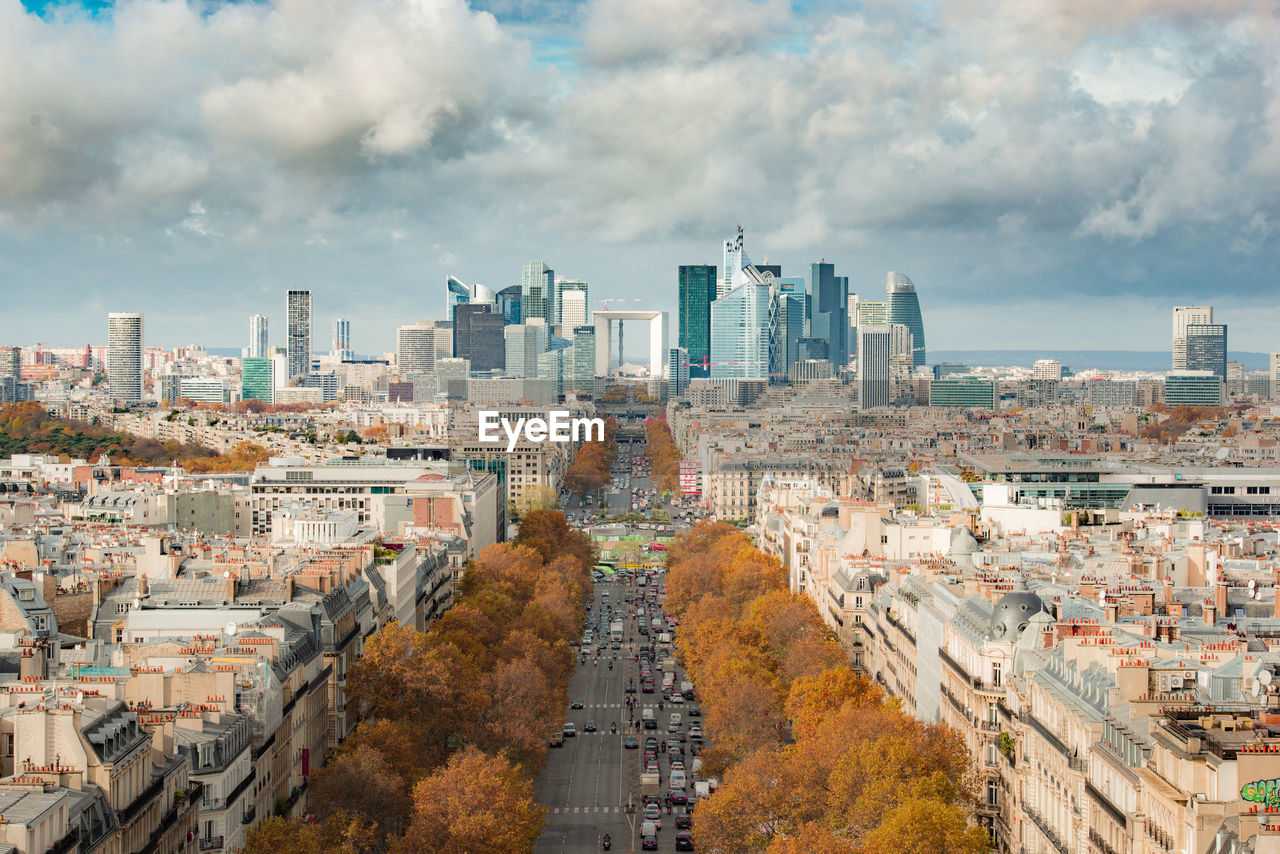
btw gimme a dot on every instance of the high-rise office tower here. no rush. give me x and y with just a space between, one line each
525 343
584 359
677 371
538 292
458 292
874 366
416 347
257 336
477 336
1184 316
904 308
509 304
342 340
299 335
740 332
572 304
11 363
791 318
698 285
257 379
828 309
735 259
124 356
1206 348
1275 376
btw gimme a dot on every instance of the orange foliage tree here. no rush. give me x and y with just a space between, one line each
814 757
664 456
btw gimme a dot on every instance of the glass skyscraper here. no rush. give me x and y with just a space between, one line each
538 292
124 356
829 309
1206 345
477 336
257 336
740 333
904 308
697 291
257 379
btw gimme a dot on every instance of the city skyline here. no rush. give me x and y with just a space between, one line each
1046 178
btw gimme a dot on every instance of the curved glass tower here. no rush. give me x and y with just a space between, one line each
904 308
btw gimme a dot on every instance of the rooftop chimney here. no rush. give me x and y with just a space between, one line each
1210 613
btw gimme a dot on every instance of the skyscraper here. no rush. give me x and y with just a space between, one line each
828 310
677 371
740 332
584 359
458 292
735 258
124 356
1184 316
415 347
257 336
904 308
572 304
538 291
342 339
299 335
525 343
477 336
698 285
874 360
1206 348
509 304
1275 376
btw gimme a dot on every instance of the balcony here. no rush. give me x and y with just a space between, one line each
181 808
1099 844
211 843
1043 825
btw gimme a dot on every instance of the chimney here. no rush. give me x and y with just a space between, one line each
288 588
1220 596
1166 585
1112 611
144 589
230 578
1275 608
1210 613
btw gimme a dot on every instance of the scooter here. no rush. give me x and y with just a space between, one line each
606 843
613 728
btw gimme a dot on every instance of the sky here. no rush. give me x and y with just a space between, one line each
1050 173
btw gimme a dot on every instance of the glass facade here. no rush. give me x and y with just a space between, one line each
828 310
740 333
1207 348
1201 388
904 308
697 292
967 392
257 380
477 336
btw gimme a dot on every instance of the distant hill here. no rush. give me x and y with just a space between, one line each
1079 360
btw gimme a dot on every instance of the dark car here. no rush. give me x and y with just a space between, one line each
694 711
650 843
631 687
679 796
684 822
589 726
630 743
684 841
576 704
650 723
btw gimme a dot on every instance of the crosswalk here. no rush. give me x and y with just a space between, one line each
582 810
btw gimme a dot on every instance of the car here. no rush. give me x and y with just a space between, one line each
556 740
684 822
684 841
651 743
648 843
570 730
630 743
650 723
679 796
631 687
651 767
653 813
677 764
695 730
576 704
589 726
694 711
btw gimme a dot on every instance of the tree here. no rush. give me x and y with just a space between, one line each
536 497
362 781
548 533
475 804
926 826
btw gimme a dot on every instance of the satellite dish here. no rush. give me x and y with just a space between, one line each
232 628
1253 583
1266 677
1256 690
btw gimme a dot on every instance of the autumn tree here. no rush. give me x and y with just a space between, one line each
477 804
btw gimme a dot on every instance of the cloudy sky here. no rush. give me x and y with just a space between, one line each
1050 173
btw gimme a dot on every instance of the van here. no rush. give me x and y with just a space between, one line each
647 713
677 780
676 719
648 828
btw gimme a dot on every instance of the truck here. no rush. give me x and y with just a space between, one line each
669 664
651 784
615 631
686 689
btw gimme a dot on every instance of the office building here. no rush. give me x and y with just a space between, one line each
872 313
1184 316
735 259
1206 348
416 348
677 371
538 292
791 321
299 335
458 293
1193 388
525 342
573 304
947 369
584 361
1275 376
203 389
556 361
740 332
874 366
342 340
509 305
257 336
257 379
477 336
698 286
124 356
904 307
828 307
967 392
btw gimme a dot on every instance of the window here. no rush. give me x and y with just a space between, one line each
997 673
993 793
